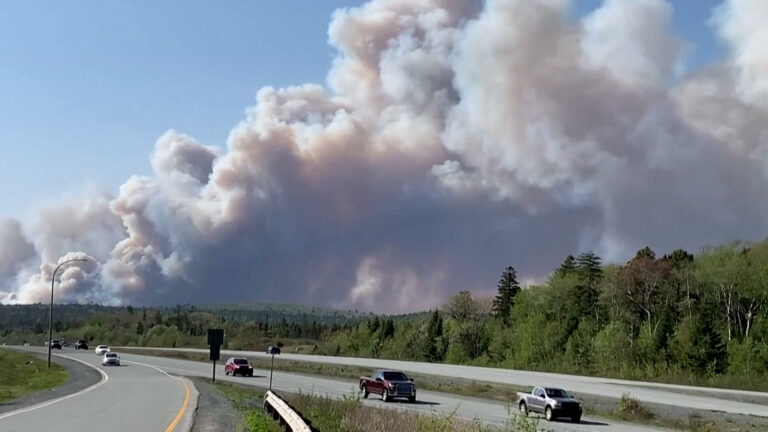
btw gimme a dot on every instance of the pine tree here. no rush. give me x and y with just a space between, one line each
589 269
645 252
707 353
508 288
140 328
433 351
567 267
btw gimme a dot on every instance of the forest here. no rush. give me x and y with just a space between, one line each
678 318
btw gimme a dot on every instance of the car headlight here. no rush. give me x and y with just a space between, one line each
557 404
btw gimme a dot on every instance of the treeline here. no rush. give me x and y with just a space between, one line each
676 317
179 326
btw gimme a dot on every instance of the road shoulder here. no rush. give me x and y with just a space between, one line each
214 410
80 377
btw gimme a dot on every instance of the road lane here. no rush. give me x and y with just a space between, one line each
666 394
134 398
428 402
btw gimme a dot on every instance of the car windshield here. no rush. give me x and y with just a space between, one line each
111 355
241 361
395 376
556 393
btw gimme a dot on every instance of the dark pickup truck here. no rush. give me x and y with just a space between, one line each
389 384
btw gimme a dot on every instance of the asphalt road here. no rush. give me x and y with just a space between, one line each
130 397
667 394
428 402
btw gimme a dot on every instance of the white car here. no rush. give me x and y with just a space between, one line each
110 359
101 350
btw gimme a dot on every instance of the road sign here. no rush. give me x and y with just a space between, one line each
216 337
215 340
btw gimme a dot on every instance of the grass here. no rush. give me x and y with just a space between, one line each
244 400
24 373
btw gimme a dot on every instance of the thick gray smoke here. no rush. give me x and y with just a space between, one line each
451 139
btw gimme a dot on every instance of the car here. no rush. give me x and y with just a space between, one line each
101 350
552 402
81 344
389 384
110 359
26 344
55 344
238 365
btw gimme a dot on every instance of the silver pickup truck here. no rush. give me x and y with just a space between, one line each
550 401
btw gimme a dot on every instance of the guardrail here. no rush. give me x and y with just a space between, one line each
283 412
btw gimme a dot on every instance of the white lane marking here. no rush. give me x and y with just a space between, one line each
104 379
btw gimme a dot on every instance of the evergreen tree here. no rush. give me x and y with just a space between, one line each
567 267
388 329
140 328
433 350
707 353
645 252
588 268
508 288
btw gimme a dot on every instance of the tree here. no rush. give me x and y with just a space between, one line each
589 269
140 328
508 288
567 267
645 252
462 307
388 329
434 348
707 352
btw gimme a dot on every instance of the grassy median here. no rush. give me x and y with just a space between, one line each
22 373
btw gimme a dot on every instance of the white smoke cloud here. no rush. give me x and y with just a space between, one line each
452 139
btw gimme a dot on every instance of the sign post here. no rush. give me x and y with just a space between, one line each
215 340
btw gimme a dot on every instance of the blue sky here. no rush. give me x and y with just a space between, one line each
87 87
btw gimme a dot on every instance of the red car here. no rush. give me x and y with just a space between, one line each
238 365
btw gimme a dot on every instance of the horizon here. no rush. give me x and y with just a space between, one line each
358 154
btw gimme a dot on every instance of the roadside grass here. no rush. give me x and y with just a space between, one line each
248 403
621 410
22 373
350 415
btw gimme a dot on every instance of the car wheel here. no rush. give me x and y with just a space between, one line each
548 414
523 408
226 372
250 374
576 419
364 391
385 395
412 399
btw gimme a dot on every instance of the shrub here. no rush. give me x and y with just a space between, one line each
633 409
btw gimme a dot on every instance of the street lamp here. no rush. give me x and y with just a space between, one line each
272 350
50 313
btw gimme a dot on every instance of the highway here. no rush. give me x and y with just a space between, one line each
428 402
131 397
668 394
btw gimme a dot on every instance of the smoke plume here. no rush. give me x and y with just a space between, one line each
450 140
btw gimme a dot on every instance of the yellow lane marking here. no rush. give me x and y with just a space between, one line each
171 427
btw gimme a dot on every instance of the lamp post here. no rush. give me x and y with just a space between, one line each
272 350
50 312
